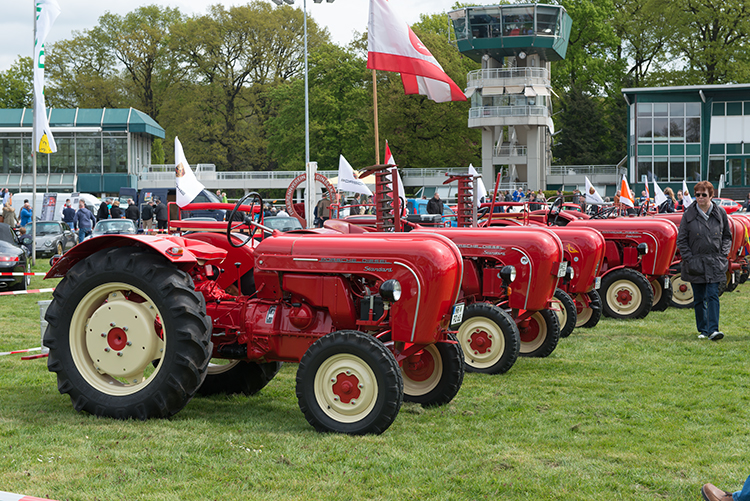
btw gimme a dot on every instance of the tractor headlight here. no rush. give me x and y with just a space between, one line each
390 291
508 274
569 273
642 248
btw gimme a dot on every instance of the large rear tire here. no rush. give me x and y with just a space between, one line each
627 294
489 339
539 334
128 335
662 296
433 375
567 316
349 382
589 313
237 376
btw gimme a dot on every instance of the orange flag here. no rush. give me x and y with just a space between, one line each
625 197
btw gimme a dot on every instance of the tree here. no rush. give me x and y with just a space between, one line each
581 142
16 85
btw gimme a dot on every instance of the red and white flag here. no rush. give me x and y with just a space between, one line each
625 197
394 171
393 46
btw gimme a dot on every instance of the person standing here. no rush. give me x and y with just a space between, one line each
69 214
83 221
435 205
679 205
704 241
147 216
116 212
162 216
132 211
26 213
103 212
324 210
668 204
9 214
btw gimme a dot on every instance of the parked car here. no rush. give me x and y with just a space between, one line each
52 237
282 223
13 259
729 205
419 206
114 227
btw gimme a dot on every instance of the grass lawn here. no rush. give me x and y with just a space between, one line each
636 410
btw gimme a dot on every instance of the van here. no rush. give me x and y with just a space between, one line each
51 210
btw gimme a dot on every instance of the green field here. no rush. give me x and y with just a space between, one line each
637 410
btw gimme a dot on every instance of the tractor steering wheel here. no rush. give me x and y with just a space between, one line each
644 208
605 213
554 211
243 219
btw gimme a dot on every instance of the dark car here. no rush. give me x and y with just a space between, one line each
52 237
13 259
114 227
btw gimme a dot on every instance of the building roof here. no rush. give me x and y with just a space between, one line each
688 88
107 119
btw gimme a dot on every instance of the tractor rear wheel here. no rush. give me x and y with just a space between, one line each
128 335
566 314
682 292
662 296
489 339
627 294
349 382
433 375
237 376
539 334
588 316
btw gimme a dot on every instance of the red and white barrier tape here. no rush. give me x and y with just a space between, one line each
9 496
19 274
19 351
34 291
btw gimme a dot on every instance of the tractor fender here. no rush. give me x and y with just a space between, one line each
182 252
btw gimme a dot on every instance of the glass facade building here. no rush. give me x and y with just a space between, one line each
98 150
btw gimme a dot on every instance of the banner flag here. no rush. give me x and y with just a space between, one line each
478 185
686 198
187 185
592 196
46 13
348 181
659 196
626 198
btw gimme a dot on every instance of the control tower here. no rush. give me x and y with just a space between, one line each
510 95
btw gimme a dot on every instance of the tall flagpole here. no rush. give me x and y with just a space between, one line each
375 108
34 143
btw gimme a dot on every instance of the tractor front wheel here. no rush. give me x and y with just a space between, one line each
237 376
128 335
682 292
627 294
349 382
566 312
539 334
489 339
434 374
588 313
662 296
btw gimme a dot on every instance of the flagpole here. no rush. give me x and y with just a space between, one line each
34 153
375 108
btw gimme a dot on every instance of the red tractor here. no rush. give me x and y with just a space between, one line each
139 324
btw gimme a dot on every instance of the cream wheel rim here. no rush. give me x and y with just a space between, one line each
422 371
482 342
346 388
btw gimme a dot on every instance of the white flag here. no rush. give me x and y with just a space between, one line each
46 13
479 184
592 196
659 196
187 185
348 181
394 171
686 198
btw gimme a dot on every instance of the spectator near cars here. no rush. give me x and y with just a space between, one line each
83 221
132 211
26 213
162 216
103 212
147 216
68 214
435 205
116 212
9 214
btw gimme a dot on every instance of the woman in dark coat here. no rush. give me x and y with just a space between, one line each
704 241
103 212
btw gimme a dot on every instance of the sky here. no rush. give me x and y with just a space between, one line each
342 18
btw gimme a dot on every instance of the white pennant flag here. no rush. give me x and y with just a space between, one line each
686 198
187 185
348 181
659 196
592 196
46 13
479 184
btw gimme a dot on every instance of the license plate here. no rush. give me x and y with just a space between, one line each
667 281
458 314
562 269
597 282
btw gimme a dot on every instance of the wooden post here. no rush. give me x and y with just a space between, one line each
375 108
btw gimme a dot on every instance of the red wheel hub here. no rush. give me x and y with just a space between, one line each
346 387
624 297
529 330
420 366
683 288
117 339
480 341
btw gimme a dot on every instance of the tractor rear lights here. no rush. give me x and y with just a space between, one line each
390 291
508 274
642 248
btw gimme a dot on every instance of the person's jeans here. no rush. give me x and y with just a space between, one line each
744 494
82 234
706 301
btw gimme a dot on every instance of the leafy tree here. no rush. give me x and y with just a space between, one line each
16 85
157 152
580 142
